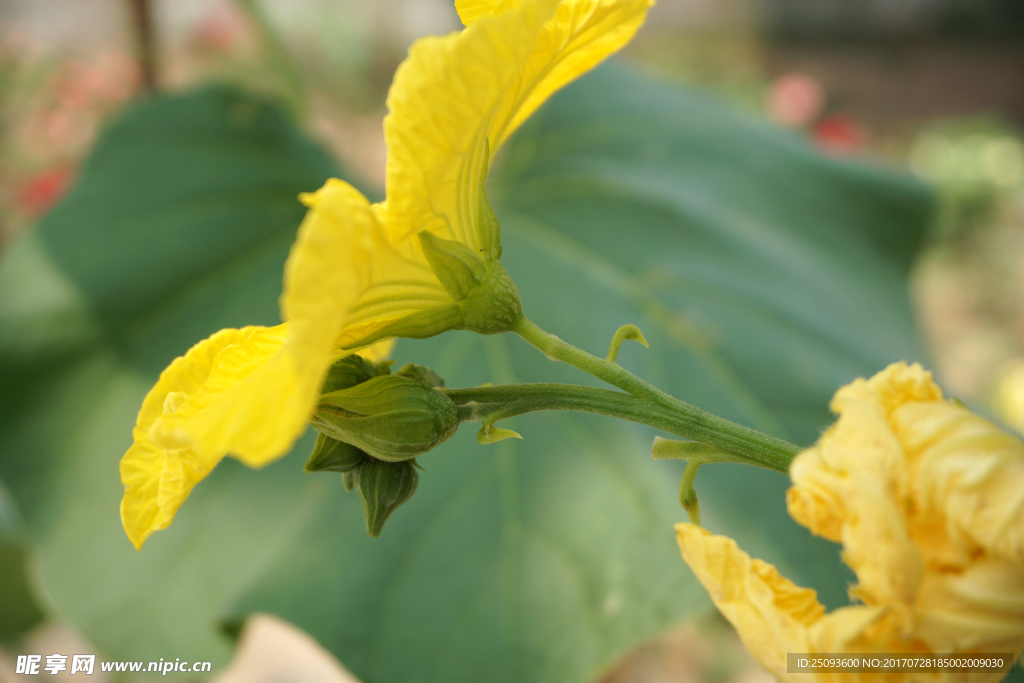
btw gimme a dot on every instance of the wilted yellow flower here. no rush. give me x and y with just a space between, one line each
1008 398
423 261
927 499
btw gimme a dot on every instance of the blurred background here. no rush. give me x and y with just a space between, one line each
931 86
934 86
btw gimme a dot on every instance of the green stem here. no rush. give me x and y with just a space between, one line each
695 454
754 446
493 403
687 494
609 371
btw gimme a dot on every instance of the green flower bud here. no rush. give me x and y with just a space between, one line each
331 455
421 374
382 488
352 370
391 417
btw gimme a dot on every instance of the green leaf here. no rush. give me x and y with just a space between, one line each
20 609
179 225
763 275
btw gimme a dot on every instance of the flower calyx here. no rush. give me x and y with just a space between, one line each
482 291
485 299
421 374
383 487
331 455
352 370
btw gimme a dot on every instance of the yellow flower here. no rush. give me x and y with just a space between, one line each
927 499
1008 399
423 261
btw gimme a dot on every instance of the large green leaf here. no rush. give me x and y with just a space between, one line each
178 226
763 274
19 606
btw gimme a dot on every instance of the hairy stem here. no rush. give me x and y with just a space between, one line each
753 446
493 403
606 370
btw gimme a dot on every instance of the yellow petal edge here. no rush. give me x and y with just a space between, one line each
157 479
927 499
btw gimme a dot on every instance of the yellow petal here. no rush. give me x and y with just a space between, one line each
849 487
215 388
377 351
861 441
771 614
255 403
345 279
900 383
158 479
356 268
774 617
927 499
457 98
968 473
857 628
471 10
981 607
579 37
857 509
815 503
1008 398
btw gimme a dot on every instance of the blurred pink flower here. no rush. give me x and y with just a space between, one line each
221 29
795 100
63 117
108 79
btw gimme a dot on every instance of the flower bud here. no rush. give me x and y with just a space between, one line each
390 417
383 487
352 370
421 374
331 455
